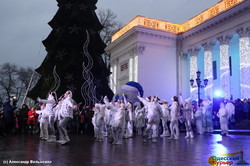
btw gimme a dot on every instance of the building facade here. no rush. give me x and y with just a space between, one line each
164 56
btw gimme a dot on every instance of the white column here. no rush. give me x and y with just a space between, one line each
244 61
131 67
224 66
136 68
193 69
115 77
111 83
208 68
133 62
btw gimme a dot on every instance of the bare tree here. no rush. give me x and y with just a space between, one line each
8 79
28 78
14 80
110 24
24 75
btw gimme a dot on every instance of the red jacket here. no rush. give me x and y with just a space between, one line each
32 117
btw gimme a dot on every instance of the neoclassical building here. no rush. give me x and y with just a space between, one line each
163 56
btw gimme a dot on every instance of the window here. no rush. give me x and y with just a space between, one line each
230 65
214 70
124 66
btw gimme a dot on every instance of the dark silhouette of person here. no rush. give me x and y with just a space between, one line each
23 118
8 117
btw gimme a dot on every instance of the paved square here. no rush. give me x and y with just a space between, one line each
133 152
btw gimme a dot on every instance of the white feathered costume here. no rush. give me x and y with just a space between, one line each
223 115
153 116
165 118
98 120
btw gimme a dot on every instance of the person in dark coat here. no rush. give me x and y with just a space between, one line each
23 118
8 117
238 110
88 120
1 121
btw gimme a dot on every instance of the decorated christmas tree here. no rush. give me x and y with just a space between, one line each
74 59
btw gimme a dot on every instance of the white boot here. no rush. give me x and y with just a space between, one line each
191 134
154 140
105 134
187 135
167 133
65 140
52 139
119 137
139 131
60 139
163 134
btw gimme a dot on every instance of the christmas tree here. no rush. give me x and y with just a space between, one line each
74 59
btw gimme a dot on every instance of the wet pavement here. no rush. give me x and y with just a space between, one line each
84 151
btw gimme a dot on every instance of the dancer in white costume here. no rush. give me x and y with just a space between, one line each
118 124
50 103
39 113
98 121
165 118
153 116
66 114
199 119
110 109
175 116
128 118
44 121
187 116
230 109
208 115
223 115
139 118
58 109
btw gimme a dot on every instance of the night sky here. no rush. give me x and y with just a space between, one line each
24 23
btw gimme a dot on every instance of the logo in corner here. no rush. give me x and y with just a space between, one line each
228 159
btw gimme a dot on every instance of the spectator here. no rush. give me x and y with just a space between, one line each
8 117
245 109
89 128
248 109
238 110
23 118
17 119
1 122
82 122
31 122
76 122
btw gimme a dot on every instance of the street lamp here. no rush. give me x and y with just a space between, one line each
199 86
13 99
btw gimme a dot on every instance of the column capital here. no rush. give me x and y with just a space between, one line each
194 51
208 46
138 49
243 31
224 40
184 56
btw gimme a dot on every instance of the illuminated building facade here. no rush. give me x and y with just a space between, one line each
164 56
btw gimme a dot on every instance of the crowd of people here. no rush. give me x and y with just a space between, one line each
23 120
120 119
